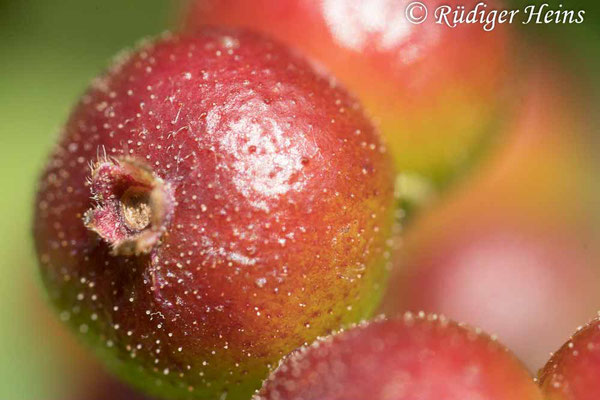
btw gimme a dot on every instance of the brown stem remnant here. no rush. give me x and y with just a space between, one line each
132 208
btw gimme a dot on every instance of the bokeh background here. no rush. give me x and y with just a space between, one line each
514 247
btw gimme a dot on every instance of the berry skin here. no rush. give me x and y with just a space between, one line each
436 91
573 372
238 205
416 357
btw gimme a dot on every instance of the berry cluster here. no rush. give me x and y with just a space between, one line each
218 201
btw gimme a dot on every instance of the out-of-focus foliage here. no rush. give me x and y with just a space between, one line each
578 45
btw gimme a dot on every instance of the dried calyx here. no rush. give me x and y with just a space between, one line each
132 208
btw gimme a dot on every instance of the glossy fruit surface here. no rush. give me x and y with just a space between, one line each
415 357
515 252
213 203
436 91
572 372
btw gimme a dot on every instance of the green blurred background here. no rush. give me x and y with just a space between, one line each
49 51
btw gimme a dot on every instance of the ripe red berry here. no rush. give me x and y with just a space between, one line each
238 206
417 357
436 90
573 372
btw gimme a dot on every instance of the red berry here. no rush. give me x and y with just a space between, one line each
573 372
240 207
436 90
417 357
